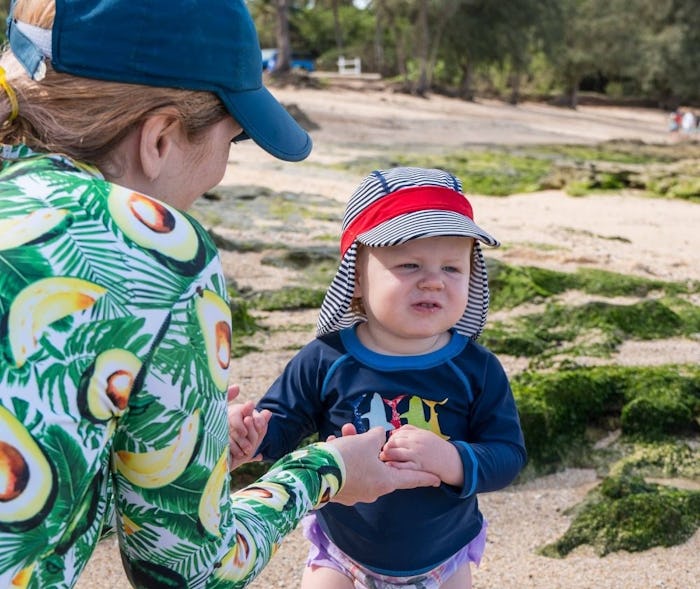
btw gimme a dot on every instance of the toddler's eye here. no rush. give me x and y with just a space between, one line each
451 269
408 266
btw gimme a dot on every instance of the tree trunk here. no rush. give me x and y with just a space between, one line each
378 44
336 27
514 87
466 88
423 48
572 94
283 60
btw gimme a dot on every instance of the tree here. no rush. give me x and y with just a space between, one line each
283 61
4 11
645 48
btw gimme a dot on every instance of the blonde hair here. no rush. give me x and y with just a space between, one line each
85 118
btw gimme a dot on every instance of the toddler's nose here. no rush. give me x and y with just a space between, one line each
431 281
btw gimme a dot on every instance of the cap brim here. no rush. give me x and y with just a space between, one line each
427 223
267 123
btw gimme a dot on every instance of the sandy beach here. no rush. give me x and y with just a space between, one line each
625 233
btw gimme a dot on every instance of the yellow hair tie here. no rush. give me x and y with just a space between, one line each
14 105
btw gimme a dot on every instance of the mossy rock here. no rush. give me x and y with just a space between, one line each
670 459
596 328
655 418
558 408
287 298
627 513
301 258
243 322
663 170
511 286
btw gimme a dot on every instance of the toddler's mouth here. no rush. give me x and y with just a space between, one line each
427 305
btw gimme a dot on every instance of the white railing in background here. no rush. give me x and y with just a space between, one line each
349 66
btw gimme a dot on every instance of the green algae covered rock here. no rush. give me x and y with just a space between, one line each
627 513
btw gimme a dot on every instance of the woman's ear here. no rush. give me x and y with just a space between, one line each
157 139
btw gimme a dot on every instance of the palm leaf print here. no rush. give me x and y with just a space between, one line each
67 458
18 268
151 421
19 548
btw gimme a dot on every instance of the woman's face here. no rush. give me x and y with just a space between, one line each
198 166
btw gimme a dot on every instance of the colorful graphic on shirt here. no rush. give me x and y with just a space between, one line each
401 410
395 419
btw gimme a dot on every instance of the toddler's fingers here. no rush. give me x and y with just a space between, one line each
233 392
400 465
237 428
397 455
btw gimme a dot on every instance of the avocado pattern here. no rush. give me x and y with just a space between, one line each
115 344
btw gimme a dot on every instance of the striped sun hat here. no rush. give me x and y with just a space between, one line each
394 206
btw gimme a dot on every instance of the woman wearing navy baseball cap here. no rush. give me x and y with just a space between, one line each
115 326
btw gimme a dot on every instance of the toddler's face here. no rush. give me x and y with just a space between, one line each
415 290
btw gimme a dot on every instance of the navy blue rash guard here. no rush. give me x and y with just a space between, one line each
459 392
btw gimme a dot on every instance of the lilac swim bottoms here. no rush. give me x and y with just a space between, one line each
324 553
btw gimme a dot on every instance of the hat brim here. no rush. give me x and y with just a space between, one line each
266 121
426 223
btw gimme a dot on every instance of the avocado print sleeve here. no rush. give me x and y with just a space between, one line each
114 348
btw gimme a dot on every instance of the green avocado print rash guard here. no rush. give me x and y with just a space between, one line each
115 335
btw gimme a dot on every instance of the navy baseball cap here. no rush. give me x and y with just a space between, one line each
197 45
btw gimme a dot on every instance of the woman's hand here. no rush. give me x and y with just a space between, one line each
367 477
246 429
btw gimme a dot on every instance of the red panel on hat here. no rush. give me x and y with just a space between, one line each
401 202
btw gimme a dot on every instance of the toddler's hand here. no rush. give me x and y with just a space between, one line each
247 427
419 449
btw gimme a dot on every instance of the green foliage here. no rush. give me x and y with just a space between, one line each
527 47
627 513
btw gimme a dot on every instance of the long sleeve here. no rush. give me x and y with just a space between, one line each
270 508
294 399
494 453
